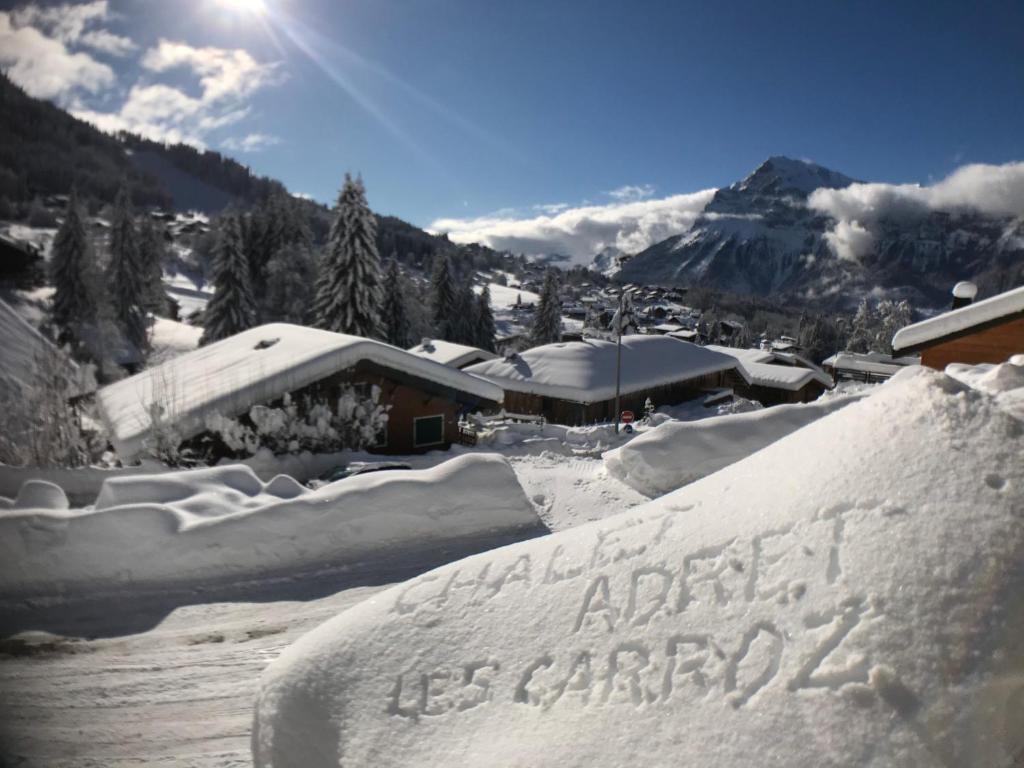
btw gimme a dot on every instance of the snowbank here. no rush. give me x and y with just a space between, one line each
840 598
676 453
223 524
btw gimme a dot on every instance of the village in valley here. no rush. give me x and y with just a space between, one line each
724 478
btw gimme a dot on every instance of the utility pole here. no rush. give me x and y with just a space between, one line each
618 358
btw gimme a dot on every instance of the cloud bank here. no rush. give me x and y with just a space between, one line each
989 190
584 231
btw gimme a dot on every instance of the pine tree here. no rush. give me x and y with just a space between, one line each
124 274
465 315
290 275
863 332
444 300
547 322
232 308
73 302
485 330
396 320
349 295
151 260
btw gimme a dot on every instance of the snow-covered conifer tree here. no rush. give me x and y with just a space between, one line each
73 302
125 274
348 295
485 330
444 300
547 322
232 308
465 315
151 261
289 275
396 319
864 330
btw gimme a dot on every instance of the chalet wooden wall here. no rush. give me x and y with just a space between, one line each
579 414
992 345
774 396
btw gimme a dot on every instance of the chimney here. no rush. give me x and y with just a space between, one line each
964 293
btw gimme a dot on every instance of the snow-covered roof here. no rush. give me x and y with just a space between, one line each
685 335
744 355
958 321
21 349
253 367
584 371
789 377
449 353
758 363
869 362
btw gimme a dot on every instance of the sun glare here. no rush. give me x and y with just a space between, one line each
255 7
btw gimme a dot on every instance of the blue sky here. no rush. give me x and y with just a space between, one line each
458 109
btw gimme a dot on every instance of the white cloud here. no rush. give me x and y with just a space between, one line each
65 22
42 64
990 190
108 42
223 73
583 231
165 113
253 142
630 192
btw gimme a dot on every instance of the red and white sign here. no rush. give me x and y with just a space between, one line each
627 417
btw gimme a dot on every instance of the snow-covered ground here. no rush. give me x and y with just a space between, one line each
839 598
173 682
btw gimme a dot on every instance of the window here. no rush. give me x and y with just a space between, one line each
427 430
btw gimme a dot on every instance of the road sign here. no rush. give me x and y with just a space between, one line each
627 417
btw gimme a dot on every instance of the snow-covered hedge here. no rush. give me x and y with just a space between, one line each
202 527
678 452
848 596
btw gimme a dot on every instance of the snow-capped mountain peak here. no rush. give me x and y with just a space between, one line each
784 175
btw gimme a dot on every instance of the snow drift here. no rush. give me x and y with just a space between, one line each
219 525
850 595
676 453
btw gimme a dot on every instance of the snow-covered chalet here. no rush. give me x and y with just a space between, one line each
259 366
574 382
988 331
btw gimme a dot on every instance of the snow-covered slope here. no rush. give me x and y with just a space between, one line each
841 598
760 236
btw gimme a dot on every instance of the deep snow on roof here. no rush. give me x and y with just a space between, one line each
584 371
745 355
869 362
958 320
252 367
450 353
763 373
789 377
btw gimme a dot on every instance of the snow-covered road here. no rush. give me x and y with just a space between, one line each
179 694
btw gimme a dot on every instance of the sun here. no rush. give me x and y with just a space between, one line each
255 7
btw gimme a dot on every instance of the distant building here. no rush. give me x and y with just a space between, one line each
261 365
869 367
451 354
987 331
574 382
776 377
